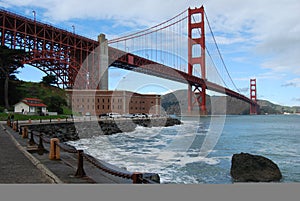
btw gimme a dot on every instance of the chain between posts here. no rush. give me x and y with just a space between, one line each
135 177
66 148
96 163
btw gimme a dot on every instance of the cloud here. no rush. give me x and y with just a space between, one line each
130 11
296 99
244 90
272 29
262 76
223 40
292 83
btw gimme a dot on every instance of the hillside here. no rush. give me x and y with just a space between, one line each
53 97
176 103
173 103
271 108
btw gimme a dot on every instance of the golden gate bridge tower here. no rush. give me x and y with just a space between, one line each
253 96
193 59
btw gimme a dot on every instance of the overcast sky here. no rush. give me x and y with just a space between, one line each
258 38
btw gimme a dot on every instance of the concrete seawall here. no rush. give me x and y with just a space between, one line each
70 131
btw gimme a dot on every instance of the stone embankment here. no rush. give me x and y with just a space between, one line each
71 131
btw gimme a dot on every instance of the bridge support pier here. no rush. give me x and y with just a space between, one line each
103 62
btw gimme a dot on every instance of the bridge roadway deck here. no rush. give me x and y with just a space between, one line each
120 59
17 165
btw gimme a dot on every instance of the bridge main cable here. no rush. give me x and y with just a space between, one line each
145 32
219 52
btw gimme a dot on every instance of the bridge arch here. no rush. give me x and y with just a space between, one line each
64 70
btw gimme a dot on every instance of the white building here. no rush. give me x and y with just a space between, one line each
31 106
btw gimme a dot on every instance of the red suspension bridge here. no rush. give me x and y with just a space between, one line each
177 49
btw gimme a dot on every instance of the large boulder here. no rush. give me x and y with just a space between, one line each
252 168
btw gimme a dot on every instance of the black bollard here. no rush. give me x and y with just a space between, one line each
41 148
20 131
80 171
31 140
17 126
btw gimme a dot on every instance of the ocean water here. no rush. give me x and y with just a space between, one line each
200 150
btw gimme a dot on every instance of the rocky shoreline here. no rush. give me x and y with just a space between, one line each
72 131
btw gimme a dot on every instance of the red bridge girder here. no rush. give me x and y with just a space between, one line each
52 50
65 54
133 62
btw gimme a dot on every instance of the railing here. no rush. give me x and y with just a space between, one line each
56 147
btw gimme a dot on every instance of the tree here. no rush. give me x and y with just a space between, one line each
49 79
10 61
55 103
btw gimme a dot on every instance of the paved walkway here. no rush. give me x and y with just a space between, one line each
17 165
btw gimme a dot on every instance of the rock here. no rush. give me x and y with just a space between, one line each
152 176
253 168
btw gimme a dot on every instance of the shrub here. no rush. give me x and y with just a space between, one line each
1 109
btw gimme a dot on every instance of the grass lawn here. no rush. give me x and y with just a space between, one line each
3 117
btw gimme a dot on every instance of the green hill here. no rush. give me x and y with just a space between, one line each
271 108
52 96
176 103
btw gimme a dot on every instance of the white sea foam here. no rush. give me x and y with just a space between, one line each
163 150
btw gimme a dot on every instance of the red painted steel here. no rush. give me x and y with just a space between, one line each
121 59
196 60
253 96
64 54
52 50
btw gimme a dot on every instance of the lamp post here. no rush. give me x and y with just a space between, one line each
34 15
73 29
